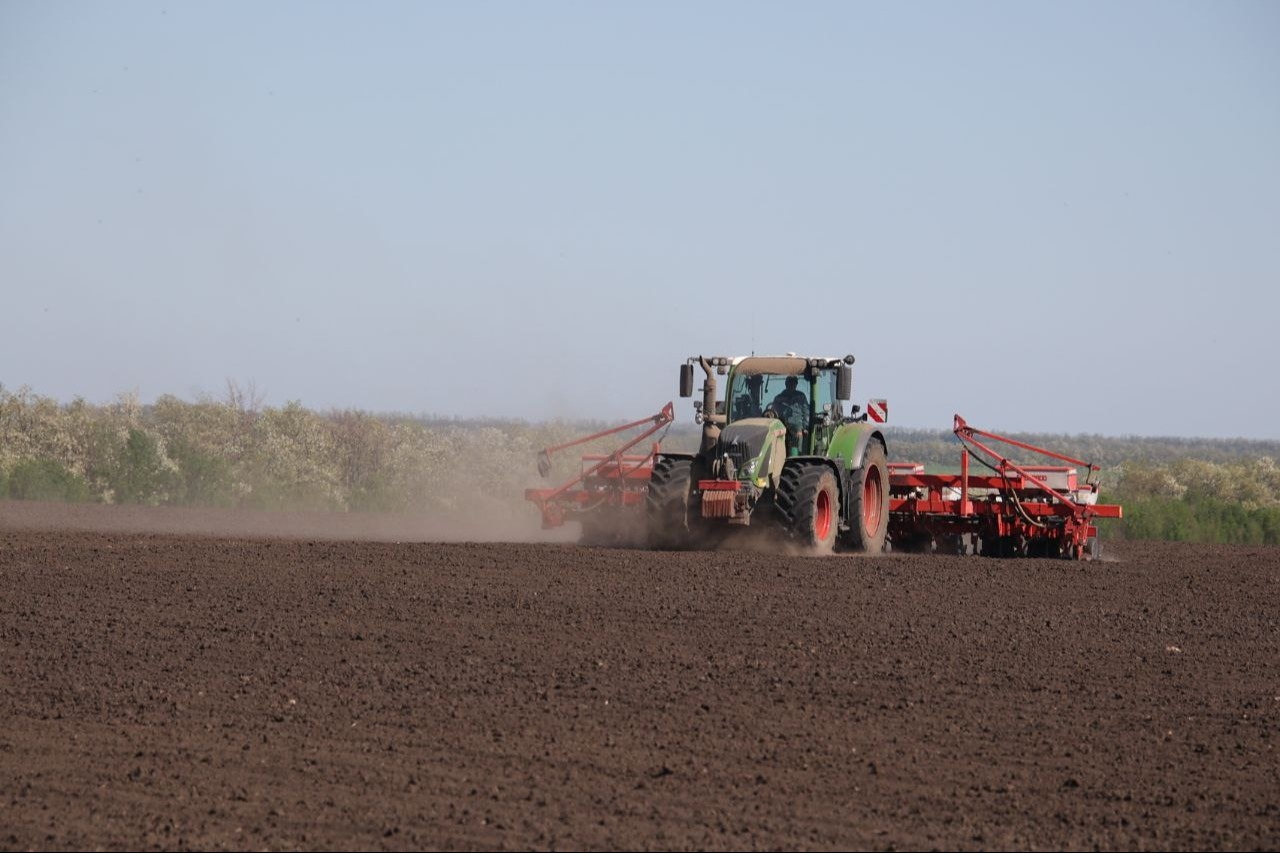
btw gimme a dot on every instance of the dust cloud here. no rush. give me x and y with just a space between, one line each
476 524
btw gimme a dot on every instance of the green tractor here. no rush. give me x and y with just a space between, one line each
778 453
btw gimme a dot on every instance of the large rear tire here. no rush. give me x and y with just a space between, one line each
808 505
667 503
869 502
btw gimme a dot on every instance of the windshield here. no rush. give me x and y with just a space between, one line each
789 396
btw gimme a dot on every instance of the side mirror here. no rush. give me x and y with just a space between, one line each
686 380
844 382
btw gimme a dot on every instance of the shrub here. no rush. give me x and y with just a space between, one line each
202 479
45 480
1200 520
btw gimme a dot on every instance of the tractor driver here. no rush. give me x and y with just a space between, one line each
792 406
790 397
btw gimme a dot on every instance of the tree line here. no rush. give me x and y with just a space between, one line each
236 452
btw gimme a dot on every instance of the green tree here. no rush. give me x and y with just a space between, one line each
45 480
144 474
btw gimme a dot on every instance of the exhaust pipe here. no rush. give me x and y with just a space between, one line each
711 422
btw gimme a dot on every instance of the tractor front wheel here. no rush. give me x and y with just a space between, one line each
809 506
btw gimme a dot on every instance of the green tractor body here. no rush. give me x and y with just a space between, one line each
778 453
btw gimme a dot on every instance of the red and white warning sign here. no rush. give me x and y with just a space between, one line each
878 411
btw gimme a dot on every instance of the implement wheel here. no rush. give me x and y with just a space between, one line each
869 502
667 503
808 505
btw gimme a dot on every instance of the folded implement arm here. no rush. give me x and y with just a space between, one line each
1014 510
608 482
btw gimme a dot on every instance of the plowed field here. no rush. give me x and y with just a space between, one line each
219 691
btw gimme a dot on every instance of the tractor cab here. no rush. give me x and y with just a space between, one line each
804 394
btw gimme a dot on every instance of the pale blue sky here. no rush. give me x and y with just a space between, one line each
1050 217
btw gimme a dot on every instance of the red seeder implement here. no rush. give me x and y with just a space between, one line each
607 481
1011 510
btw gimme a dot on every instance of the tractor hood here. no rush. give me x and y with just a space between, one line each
756 446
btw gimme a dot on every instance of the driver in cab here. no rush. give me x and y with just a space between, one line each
792 405
791 396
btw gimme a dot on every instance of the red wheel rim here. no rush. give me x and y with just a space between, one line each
822 516
872 498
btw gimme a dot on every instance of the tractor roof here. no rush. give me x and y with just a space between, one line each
783 365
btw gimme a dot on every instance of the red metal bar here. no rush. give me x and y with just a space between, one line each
719 485
644 461
619 472
664 417
548 500
962 427
1040 509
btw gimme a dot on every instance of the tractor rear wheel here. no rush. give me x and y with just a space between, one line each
808 504
869 502
667 503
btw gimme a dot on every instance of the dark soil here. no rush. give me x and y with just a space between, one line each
192 691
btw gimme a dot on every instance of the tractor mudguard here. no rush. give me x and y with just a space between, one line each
849 444
825 460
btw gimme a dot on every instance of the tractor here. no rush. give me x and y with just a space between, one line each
778 453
